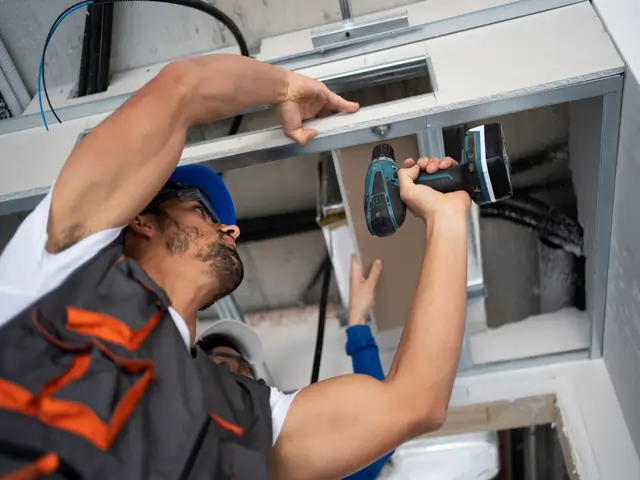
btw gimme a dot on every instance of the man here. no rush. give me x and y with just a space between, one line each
234 345
100 286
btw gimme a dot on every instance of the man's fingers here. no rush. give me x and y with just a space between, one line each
309 134
409 162
301 136
447 162
432 165
429 165
336 102
408 174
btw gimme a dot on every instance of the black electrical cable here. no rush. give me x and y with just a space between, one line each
94 48
544 187
195 4
539 207
551 155
316 276
83 76
322 320
44 51
550 226
568 237
104 59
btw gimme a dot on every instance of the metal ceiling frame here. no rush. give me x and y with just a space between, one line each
419 115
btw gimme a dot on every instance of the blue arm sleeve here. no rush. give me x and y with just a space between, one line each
363 350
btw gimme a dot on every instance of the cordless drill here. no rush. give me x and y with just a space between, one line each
483 173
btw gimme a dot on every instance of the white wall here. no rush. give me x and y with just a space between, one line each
622 321
622 324
621 20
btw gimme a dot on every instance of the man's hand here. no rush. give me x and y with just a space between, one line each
362 291
424 201
308 98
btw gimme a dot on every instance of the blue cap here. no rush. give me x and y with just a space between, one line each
210 183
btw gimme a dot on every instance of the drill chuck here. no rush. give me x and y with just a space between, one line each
383 150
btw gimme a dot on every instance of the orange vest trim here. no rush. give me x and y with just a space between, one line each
109 328
45 465
239 431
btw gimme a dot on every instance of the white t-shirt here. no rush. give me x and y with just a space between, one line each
28 272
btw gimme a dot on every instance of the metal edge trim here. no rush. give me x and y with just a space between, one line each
607 169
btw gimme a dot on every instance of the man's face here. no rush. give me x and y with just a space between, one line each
189 233
232 360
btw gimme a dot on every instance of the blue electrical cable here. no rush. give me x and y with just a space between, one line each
46 44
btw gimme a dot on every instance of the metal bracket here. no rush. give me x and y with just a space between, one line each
356 31
345 9
431 143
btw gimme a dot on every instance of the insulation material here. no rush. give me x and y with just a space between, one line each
510 271
566 330
559 282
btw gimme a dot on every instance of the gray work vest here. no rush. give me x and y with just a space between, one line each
96 383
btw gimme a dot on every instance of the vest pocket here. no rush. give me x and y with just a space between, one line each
81 387
222 456
241 463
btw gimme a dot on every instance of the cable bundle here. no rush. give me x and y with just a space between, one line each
195 4
555 229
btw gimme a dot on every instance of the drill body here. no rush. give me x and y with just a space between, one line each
483 173
384 210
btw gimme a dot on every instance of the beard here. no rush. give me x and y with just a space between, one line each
223 262
224 265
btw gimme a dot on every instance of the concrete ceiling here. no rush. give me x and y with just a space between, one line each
145 33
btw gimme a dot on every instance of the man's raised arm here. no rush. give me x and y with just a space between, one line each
118 168
338 426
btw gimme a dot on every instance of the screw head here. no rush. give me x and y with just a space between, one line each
381 130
